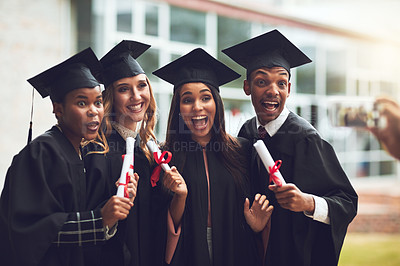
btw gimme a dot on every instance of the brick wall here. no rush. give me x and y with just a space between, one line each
378 212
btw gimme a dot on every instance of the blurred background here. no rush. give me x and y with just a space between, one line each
354 45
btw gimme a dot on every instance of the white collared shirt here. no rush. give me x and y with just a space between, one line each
321 212
273 126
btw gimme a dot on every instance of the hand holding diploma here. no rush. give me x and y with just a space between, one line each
290 197
269 163
127 172
174 182
116 208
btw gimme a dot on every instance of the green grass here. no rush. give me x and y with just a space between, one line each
370 249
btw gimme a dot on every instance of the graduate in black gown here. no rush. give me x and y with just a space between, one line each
217 226
130 111
48 213
312 212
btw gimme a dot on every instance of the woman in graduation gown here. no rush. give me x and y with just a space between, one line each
44 213
217 227
130 111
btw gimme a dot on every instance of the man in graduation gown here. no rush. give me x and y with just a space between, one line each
313 210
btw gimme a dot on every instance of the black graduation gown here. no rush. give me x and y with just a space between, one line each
140 237
311 163
232 239
45 182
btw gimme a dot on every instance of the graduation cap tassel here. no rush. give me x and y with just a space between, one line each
30 123
30 132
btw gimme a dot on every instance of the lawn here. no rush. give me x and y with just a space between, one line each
370 249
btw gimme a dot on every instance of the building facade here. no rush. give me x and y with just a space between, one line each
343 63
346 63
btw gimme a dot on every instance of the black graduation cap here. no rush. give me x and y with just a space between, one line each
196 66
120 61
270 49
76 72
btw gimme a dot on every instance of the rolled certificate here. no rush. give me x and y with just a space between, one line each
153 147
127 168
268 162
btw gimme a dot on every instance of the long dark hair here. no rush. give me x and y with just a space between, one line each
178 132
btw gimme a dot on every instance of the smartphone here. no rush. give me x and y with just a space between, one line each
357 112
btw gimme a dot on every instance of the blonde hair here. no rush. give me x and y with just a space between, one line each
146 131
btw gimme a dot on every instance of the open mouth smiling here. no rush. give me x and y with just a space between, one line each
270 106
200 122
135 108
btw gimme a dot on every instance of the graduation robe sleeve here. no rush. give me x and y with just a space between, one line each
309 162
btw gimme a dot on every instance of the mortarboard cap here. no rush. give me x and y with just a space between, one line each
120 61
270 49
196 66
76 72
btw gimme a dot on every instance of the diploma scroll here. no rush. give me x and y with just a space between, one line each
153 147
268 162
160 160
127 168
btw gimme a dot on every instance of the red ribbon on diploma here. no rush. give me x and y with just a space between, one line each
155 176
272 171
128 178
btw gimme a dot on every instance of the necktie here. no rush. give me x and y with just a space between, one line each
262 133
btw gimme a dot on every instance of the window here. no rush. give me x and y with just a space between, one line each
151 20
124 15
187 26
386 168
230 32
149 61
336 73
305 78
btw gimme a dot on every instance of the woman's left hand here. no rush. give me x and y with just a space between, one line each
260 212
